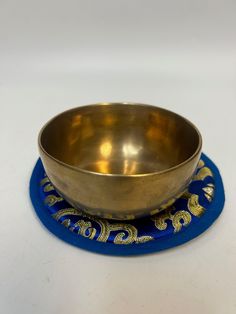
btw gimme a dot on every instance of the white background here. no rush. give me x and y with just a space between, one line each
58 54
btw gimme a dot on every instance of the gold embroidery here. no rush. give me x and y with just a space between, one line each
160 220
85 226
51 200
66 211
180 216
44 181
66 223
201 164
209 191
128 234
143 239
194 207
122 238
203 173
49 187
176 218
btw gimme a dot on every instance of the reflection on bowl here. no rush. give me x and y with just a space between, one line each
119 160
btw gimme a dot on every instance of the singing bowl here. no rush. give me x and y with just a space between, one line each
119 160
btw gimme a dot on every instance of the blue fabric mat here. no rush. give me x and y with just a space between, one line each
187 218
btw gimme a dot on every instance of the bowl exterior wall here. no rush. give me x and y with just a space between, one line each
119 197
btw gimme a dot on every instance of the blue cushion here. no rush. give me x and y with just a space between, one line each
187 218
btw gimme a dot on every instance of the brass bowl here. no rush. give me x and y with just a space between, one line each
120 160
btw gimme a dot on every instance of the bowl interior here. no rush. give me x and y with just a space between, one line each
120 138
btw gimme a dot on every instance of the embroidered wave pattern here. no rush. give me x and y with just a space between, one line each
184 211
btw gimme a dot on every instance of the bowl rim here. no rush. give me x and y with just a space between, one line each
85 171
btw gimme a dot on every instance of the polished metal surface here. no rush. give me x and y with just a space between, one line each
119 160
